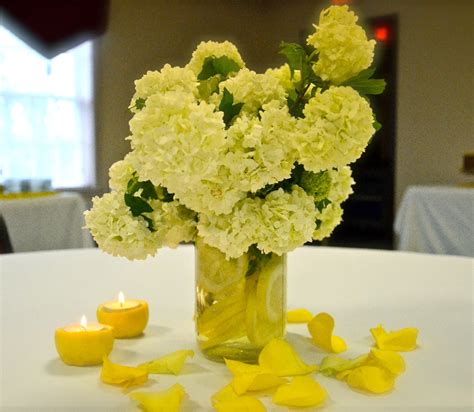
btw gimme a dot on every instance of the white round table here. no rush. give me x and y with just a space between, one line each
360 288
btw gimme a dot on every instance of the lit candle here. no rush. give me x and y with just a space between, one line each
84 344
127 317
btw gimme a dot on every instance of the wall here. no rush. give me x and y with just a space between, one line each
435 97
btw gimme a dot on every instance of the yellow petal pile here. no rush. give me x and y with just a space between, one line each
252 377
280 357
125 376
169 364
226 400
371 379
298 316
163 401
402 340
389 360
374 372
302 391
321 328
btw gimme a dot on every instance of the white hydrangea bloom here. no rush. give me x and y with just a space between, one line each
180 223
337 127
216 49
254 90
232 234
261 150
341 184
279 223
121 172
167 79
328 218
344 50
179 144
117 232
286 221
283 75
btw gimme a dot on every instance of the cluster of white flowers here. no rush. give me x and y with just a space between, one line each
220 156
343 48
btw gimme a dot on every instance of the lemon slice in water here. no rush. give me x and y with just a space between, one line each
216 273
265 314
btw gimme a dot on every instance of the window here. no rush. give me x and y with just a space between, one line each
46 114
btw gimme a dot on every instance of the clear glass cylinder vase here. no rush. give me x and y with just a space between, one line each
240 303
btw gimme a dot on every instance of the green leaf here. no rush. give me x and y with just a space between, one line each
364 84
321 205
228 107
369 86
137 205
164 195
217 65
377 125
151 226
140 103
295 54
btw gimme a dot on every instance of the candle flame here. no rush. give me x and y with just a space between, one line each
121 298
84 322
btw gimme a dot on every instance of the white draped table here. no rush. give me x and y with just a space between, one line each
46 223
437 219
43 290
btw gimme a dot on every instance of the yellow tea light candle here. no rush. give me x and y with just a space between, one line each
84 344
127 317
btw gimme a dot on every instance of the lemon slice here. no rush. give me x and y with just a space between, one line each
216 273
265 314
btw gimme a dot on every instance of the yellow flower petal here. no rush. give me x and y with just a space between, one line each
321 328
298 316
169 364
163 401
240 404
371 379
301 391
280 357
402 340
332 365
252 377
224 394
392 361
226 400
126 376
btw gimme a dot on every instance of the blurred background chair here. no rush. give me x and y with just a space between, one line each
5 243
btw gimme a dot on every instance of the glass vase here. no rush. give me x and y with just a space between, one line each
240 303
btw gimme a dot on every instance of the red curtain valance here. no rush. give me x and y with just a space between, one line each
54 26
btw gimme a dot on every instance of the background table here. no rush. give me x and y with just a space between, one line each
46 223
437 219
41 291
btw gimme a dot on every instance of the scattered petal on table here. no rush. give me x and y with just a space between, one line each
392 361
240 404
402 340
163 401
169 364
298 316
226 400
252 377
332 365
126 376
302 391
371 379
321 328
280 357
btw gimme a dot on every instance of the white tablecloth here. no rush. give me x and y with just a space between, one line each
360 288
438 220
46 223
